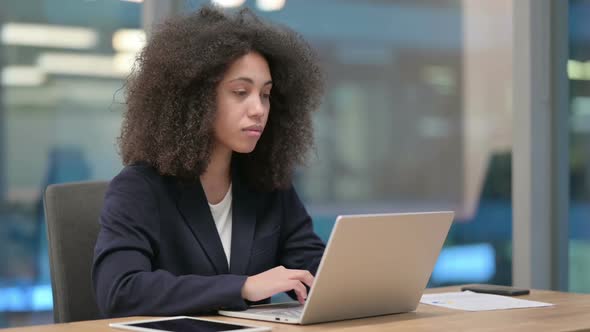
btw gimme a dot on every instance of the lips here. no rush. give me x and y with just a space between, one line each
254 128
253 131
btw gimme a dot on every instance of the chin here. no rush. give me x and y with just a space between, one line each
244 148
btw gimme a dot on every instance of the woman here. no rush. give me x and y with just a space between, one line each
203 216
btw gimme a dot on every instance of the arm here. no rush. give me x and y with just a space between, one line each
300 248
124 279
300 251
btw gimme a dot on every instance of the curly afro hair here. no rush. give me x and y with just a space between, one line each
171 96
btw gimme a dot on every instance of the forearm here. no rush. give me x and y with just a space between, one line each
132 291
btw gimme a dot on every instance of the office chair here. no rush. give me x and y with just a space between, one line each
64 164
72 211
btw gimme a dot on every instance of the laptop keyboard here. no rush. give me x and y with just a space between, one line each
291 313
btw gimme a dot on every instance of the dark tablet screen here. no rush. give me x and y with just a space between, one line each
188 325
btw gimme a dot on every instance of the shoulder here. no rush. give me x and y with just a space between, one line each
138 177
288 194
287 197
140 169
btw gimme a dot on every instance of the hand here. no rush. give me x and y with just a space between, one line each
277 280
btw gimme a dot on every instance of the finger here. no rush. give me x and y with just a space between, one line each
303 276
308 278
300 300
286 285
300 290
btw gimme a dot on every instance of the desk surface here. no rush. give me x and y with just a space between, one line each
571 312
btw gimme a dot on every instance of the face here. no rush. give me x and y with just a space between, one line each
243 104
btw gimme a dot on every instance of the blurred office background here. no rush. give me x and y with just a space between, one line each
418 116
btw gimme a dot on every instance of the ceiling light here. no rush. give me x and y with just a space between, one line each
22 76
42 35
128 40
228 3
79 64
270 5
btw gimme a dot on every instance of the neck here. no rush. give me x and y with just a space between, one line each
216 178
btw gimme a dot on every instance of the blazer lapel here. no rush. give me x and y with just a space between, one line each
243 226
193 205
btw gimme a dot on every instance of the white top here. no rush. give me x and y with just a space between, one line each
222 215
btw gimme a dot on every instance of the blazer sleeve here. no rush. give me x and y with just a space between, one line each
124 280
300 248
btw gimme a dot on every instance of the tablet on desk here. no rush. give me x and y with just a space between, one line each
186 324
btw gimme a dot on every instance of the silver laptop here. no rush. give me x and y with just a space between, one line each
373 265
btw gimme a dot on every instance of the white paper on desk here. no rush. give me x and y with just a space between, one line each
472 301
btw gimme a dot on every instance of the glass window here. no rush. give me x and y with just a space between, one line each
417 117
579 210
62 66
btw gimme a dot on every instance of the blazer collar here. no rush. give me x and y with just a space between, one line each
243 225
192 204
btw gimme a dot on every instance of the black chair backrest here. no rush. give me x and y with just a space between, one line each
72 211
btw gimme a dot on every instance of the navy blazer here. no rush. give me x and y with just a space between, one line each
158 251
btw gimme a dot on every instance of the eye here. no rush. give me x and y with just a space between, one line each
240 93
265 96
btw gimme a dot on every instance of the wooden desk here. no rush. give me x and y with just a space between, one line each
571 312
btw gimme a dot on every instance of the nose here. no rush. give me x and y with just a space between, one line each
256 109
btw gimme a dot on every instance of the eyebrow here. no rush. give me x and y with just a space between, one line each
249 80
